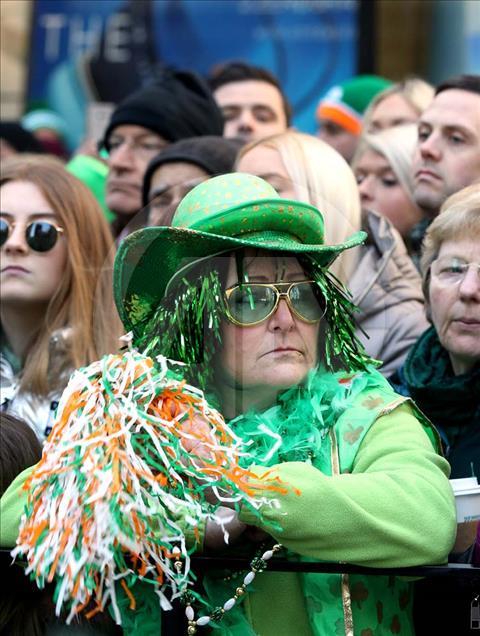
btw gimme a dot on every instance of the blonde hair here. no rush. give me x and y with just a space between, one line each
84 299
459 218
397 145
321 177
415 91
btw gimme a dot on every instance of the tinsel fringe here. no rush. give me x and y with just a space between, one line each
117 489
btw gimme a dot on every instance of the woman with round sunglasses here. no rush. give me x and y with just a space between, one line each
56 308
238 291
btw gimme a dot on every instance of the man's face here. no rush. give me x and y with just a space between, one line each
170 183
252 109
447 158
340 139
131 148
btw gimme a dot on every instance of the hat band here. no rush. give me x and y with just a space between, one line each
347 120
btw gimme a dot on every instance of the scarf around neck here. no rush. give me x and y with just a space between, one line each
294 428
447 399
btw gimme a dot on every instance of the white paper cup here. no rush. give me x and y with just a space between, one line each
467 499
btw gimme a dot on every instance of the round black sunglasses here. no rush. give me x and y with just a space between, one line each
40 236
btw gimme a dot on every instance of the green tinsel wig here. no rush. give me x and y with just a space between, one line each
186 325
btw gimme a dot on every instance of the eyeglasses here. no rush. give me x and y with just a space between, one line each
452 271
41 236
251 303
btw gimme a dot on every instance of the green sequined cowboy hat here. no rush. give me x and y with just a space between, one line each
221 214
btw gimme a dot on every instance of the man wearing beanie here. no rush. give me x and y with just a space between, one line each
340 112
179 168
178 105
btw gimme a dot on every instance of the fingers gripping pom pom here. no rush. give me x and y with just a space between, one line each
122 481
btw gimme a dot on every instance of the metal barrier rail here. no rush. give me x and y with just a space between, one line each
203 563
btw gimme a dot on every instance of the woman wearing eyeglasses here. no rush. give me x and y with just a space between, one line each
442 375
341 467
442 371
56 251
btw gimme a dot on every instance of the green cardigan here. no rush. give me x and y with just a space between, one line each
395 509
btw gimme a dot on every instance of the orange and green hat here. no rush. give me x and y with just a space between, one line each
220 215
345 103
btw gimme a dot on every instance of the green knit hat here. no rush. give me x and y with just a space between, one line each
221 214
345 103
93 173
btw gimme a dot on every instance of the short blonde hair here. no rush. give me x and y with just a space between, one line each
459 218
414 90
321 177
397 145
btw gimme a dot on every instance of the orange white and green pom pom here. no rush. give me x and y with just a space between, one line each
121 485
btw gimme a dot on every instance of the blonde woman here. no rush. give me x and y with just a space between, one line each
380 275
401 103
383 169
57 310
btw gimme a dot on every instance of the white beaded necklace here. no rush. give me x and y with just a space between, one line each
257 565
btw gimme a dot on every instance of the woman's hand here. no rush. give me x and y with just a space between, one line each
214 534
200 430
197 428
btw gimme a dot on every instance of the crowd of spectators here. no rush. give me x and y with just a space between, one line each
398 161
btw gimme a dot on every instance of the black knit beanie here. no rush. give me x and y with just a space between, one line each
216 155
20 139
177 105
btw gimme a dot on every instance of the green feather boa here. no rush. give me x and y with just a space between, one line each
293 429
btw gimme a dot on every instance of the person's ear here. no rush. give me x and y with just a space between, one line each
428 311
426 295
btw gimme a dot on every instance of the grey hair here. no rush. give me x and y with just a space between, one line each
459 218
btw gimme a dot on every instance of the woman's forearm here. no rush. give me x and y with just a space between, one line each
395 509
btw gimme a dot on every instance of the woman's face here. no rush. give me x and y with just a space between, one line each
28 277
266 162
380 190
276 353
394 110
455 304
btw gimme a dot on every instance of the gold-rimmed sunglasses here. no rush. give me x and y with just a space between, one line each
249 304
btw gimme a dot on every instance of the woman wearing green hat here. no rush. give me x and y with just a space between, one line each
366 484
342 468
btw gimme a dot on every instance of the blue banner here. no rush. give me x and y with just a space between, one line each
88 50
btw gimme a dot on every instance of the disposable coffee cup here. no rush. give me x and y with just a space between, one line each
467 499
